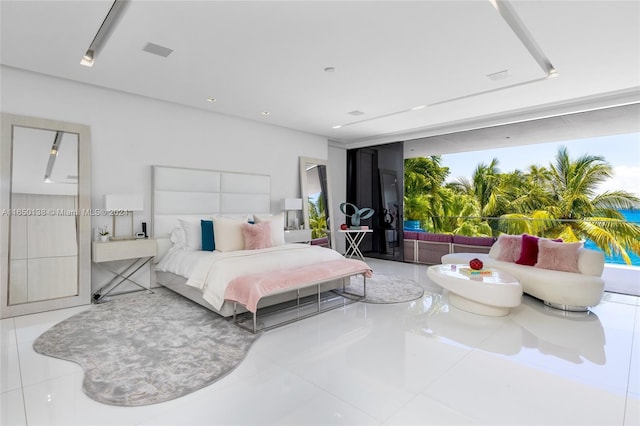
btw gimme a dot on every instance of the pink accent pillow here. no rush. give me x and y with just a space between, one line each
528 250
256 236
509 247
558 256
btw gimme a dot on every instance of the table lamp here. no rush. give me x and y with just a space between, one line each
292 204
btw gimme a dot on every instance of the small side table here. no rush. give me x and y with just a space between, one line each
140 251
354 237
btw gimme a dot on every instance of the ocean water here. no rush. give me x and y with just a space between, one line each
630 216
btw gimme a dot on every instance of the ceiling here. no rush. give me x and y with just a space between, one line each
402 70
556 128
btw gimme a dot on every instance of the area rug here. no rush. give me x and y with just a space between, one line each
148 348
383 288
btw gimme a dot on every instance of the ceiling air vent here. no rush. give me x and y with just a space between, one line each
156 49
500 75
355 113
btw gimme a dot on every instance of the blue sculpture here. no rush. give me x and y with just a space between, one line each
358 214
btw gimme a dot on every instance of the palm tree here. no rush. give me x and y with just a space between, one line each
425 198
576 211
317 218
465 218
490 197
485 182
525 193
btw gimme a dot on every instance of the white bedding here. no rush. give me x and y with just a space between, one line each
212 271
181 262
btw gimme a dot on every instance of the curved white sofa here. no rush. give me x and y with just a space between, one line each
569 291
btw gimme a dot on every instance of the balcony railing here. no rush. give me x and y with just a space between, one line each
543 227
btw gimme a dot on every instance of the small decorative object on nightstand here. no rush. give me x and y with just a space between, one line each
140 251
103 234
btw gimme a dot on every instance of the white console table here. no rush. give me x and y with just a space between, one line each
139 251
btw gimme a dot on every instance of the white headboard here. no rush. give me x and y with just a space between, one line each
178 192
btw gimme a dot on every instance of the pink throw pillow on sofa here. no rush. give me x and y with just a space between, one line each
509 247
558 256
256 236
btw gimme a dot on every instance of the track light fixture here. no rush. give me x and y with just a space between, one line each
87 59
104 32
506 10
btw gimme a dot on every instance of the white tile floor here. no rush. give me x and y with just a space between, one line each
419 363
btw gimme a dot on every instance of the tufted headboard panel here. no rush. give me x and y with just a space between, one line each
179 193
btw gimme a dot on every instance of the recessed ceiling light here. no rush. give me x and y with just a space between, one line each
355 113
212 100
418 107
337 127
265 113
330 69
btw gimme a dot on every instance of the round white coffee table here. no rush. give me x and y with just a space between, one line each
493 294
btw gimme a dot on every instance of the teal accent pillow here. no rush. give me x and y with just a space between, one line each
208 242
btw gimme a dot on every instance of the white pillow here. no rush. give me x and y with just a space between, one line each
192 232
178 238
227 233
277 227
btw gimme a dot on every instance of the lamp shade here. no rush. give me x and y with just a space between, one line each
292 204
124 202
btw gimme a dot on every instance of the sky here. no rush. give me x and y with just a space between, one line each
622 152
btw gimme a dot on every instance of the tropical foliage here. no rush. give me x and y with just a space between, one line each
425 197
317 217
558 201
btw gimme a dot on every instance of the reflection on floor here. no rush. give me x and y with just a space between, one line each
572 336
420 363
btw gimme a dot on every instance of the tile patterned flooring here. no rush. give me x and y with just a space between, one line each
415 363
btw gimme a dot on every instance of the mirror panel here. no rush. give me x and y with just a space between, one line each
316 199
43 251
46 222
390 209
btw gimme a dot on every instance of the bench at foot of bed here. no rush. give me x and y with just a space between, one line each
247 290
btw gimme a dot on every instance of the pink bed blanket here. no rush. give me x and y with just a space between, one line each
249 289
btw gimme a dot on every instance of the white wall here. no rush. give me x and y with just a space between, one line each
130 133
337 169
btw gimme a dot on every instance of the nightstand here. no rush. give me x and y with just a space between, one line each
139 251
297 235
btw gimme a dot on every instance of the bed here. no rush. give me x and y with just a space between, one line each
188 204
